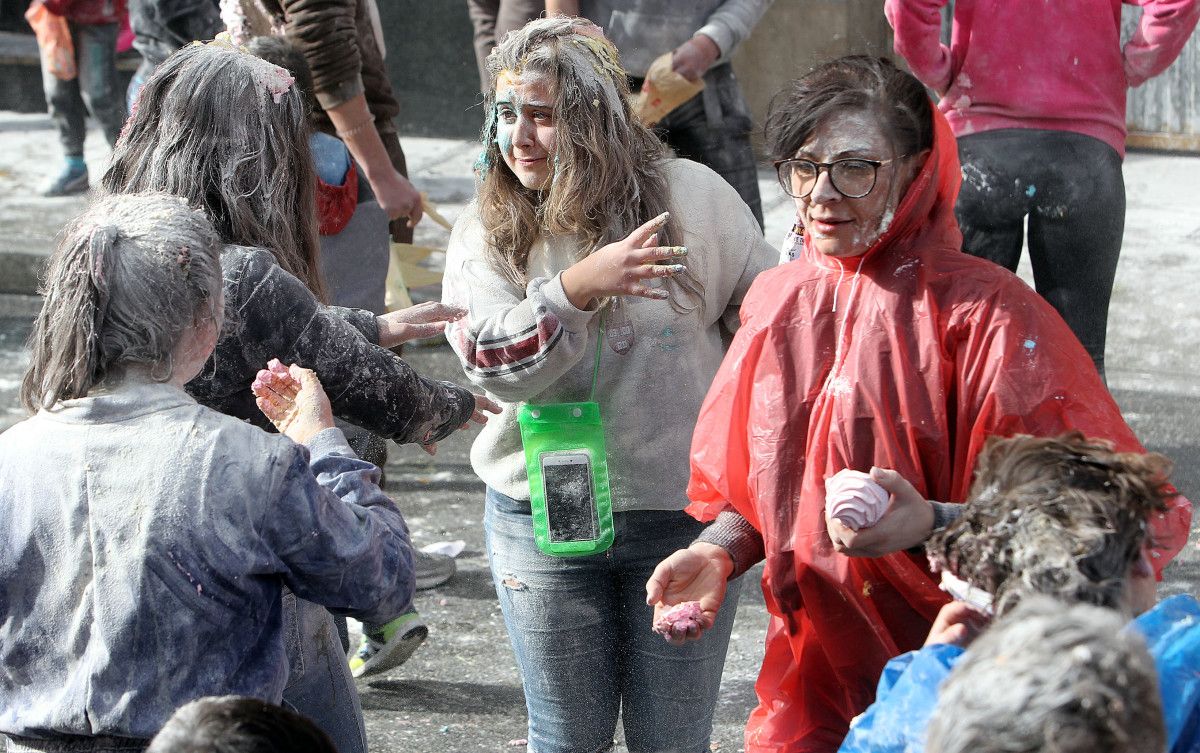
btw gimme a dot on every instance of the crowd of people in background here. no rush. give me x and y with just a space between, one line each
194 506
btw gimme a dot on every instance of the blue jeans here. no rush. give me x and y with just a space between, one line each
319 682
580 629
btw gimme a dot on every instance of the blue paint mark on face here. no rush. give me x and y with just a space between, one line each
482 164
1031 191
1030 344
504 139
508 104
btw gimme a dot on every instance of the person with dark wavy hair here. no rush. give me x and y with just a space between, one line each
879 346
1056 522
237 724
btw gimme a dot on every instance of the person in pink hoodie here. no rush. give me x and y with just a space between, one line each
1035 93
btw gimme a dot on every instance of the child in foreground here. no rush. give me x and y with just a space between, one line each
1051 676
1064 518
151 543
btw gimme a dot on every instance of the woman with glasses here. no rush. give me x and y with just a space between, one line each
881 346
594 263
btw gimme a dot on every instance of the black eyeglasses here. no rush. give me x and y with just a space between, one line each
852 177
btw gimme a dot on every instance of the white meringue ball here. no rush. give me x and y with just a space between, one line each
854 499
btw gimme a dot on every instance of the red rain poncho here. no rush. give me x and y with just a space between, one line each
908 357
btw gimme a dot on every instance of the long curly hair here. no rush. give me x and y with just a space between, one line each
607 167
212 126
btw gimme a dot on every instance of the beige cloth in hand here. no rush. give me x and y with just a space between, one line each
663 91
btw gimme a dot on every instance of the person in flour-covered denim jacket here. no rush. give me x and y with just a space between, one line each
151 545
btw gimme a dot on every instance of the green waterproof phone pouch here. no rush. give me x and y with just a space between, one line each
568 475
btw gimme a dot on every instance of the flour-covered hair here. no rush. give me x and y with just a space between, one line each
215 125
1063 516
849 84
129 276
1051 677
607 167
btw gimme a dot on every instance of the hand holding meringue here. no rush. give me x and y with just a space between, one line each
854 499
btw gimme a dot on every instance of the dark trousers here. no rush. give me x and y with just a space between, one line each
95 87
1071 189
492 19
713 128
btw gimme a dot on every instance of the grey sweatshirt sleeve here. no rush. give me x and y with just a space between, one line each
730 24
734 534
513 342
331 518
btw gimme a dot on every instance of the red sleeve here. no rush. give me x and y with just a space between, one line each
58 7
1163 30
1020 370
918 27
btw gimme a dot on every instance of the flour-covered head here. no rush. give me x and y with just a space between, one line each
228 132
134 285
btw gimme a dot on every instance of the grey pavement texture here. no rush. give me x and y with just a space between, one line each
461 691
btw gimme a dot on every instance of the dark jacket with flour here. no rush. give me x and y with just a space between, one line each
272 314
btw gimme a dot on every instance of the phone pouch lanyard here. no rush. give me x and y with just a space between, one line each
564 439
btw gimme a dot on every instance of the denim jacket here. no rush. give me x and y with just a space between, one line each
145 546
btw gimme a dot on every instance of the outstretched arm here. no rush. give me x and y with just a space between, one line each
330 516
367 385
1163 30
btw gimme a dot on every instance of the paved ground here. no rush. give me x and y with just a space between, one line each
461 691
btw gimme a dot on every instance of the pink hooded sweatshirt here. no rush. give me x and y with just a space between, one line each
1055 65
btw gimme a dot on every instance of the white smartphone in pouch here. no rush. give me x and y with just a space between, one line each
570 503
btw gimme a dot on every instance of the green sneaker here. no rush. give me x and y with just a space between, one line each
389 645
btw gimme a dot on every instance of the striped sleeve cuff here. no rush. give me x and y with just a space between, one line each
555 298
945 513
